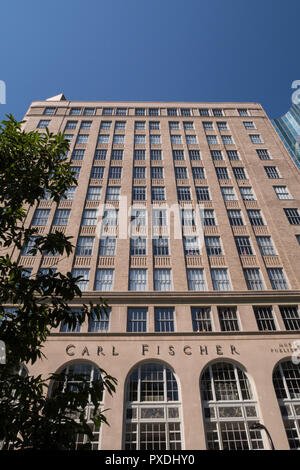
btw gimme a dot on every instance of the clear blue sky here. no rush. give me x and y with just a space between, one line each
189 50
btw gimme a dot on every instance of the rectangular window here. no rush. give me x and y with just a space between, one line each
139 193
174 125
158 193
121 111
153 112
253 279
176 139
220 279
202 193
164 319
249 125
222 126
155 139
180 172
40 217
293 216
118 139
243 245
160 246
65 328
75 111
107 111
201 318
235 217
115 172
198 172
140 111
184 194
69 194
185 112
264 318
228 318
157 172
71 125
204 112
76 171
239 173
82 139
218 112
194 155
282 192
138 217
191 246
154 125
137 320
155 155
187 217
97 172
162 279
243 112
139 155
255 217
116 154
272 172
208 217
107 246
191 139
277 278
159 218
233 155
222 173
227 140
100 324
100 154
172 112
138 246
110 217
290 316
196 279
212 139
89 111
138 279
216 155
139 172
84 246
43 124
103 139
265 245
85 125
213 246
247 193
104 280
188 125
228 193
49 111
83 282
140 125
105 125
263 154
77 154
256 139
93 193
113 193
30 245
178 155
89 217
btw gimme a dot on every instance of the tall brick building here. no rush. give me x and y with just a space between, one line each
186 218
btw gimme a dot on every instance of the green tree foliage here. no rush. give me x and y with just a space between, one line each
31 418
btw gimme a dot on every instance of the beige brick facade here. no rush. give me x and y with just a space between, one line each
182 349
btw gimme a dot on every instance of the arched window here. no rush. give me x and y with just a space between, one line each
229 408
286 380
153 410
70 382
